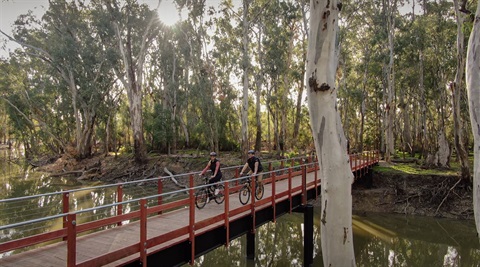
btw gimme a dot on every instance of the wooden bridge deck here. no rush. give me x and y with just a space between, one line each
103 242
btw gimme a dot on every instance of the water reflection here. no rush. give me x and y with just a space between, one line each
379 240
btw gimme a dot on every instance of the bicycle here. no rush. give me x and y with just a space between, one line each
244 193
201 197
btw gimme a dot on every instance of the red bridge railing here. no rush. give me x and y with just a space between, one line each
155 204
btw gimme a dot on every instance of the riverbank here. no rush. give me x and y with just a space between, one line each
427 195
413 194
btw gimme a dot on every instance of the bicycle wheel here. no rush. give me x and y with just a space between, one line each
259 190
244 194
201 198
220 197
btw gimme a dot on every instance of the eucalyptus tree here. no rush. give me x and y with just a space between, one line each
330 143
438 35
226 55
472 74
66 40
202 82
300 75
132 30
245 67
457 88
280 25
390 10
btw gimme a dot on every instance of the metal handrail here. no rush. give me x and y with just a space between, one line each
189 190
132 200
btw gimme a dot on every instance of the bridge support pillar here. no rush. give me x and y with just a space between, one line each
369 178
308 235
250 245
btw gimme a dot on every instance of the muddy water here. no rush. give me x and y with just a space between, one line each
379 240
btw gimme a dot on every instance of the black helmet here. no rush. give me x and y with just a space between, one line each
213 154
251 152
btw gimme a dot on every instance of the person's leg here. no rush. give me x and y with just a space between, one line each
260 177
212 181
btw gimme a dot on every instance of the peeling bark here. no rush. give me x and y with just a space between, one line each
472 75
329 137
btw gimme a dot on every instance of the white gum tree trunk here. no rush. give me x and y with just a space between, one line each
336 218
472 74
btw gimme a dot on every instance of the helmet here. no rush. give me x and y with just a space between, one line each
251 152
213 154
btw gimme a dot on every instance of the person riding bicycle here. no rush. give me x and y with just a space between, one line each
255 166
214 166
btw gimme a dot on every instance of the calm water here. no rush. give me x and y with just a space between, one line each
379 239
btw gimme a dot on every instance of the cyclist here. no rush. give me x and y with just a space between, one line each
214 166
255 166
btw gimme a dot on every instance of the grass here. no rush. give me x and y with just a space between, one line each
416 169
413 169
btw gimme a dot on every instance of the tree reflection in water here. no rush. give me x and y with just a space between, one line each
379 240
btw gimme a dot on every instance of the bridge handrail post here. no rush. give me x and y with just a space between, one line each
65 209
274 182
304 184
227 213
191 227
350 157
290 188
160 191
71 240
237 174
119 200
143 231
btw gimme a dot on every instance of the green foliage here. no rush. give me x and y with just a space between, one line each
193 70
158 127
412 168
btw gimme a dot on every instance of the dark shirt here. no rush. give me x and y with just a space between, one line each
213 166
251 163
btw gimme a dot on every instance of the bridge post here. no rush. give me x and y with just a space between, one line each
227 213
274 193
72 240
251 245
308 235
304 184
66 209
143 231
191 225
119 200
290 188
160 191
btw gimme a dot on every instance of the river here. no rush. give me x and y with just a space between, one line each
379 239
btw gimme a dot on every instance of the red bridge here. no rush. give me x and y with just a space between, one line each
153 227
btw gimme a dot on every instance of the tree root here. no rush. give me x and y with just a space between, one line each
448 193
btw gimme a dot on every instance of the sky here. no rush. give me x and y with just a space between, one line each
11 9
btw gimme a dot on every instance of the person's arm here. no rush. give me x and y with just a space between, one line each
243 169
217 167
206 168
256 168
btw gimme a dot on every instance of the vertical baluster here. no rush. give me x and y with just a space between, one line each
119 200
191 227
71 240
160 191
143 232
227 213
65 209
